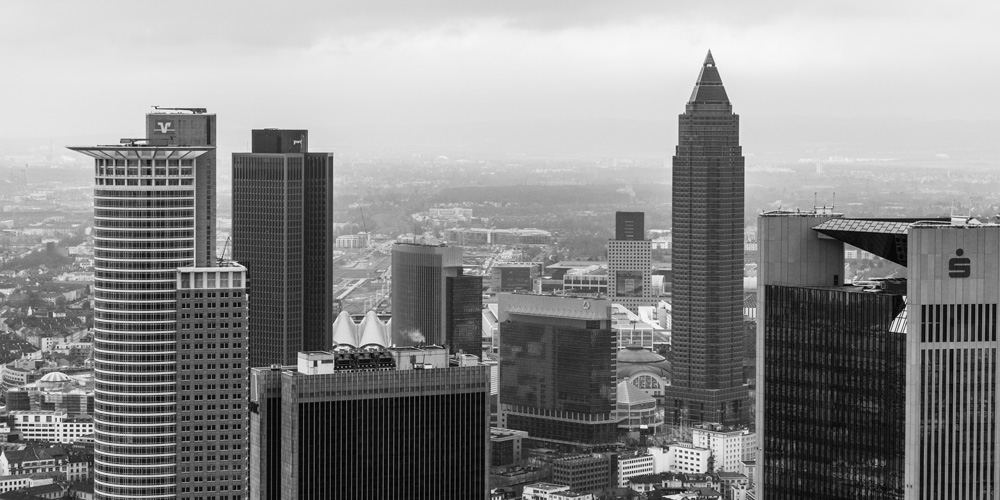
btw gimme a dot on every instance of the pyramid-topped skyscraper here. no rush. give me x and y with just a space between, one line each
707 337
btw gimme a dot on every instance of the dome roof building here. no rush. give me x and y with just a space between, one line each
644 369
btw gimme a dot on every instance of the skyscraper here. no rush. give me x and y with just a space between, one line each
630 263
390 424
708 384
464 317
557 368
211 381
426 279
859 397
831 374
283 232
953 291
153 214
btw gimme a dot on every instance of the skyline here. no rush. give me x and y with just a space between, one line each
390 68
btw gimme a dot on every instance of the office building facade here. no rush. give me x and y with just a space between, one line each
591 472
464 317
514 276
835 381
211 381
708 178
153 213
396 424
953 292
283 234
557 368
630 263
865 393
420 293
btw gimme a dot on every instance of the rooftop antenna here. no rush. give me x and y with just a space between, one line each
197 111
834 204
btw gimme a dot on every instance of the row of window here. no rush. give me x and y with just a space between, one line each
132 162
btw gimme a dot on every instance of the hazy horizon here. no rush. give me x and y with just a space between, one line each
345 70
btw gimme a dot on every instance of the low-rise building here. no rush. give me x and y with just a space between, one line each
33 459
542 491
730 482
52 491
572 495
635 465
21 481
586 472
53 426
505 446
680 457
673 480
729 446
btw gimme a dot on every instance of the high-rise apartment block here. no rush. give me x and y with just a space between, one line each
433 301
630 263
707 337
557 368
283 234
392 424
154 206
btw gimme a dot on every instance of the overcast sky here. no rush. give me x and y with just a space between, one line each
75 67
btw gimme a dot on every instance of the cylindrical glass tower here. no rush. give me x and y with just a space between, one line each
144 229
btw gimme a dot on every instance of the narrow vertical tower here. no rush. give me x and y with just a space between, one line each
708 383
283 234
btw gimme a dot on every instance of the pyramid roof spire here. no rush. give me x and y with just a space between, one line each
709 61
709 88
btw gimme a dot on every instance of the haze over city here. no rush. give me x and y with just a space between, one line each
558 77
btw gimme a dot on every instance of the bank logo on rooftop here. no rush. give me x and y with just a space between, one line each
960 267
164 127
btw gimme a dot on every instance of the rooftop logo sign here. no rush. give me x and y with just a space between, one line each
164 127
959 267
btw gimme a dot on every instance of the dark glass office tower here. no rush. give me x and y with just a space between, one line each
835 380
708 383
394 424
465 314
557 368
420 276
283 234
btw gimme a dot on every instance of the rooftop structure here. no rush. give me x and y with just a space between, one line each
370 332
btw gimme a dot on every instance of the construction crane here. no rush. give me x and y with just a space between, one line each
225 247
368 238
197 111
